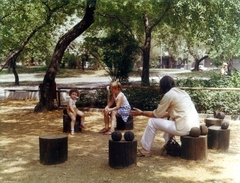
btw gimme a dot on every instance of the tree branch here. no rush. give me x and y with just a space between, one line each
118 19
162 16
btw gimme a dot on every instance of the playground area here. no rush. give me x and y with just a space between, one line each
87 161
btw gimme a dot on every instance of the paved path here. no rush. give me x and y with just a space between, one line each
98 78
85 80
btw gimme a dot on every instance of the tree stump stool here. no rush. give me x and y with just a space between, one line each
122 154
67 123
194 148
213 121
218 138
121 125
53 148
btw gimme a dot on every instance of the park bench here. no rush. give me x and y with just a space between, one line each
21 93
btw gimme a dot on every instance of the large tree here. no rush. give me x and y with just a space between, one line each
48 85
17 17
139 19
30 29
195 21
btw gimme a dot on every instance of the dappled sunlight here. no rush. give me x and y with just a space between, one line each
88 152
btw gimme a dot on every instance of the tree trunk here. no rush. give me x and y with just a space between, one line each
197 62
147 44
15 72
146 51
145 70
46 99
230 64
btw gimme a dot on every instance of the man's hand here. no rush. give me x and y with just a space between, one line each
135 112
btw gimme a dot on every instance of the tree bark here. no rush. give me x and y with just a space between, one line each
147 44
230 65
46 100
15 72
197 62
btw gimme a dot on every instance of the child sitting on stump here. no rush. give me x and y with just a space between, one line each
73 111
122 108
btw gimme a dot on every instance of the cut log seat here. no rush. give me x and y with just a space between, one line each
194 148
218 138
67 123
121 125
122 154
213 121
53 148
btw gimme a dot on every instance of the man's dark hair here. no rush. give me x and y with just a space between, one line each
166 83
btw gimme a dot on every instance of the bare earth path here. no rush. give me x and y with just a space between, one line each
20 129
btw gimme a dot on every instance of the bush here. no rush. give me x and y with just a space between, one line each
206 101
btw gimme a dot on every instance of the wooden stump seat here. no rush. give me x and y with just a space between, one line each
194 148
122 154
67 123
218 138
53 148
213 121
121 125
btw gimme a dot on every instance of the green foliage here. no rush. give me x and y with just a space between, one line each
70 59
41 21
143 99
216 81
206 101
97 98
119 51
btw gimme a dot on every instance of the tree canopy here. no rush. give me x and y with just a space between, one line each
192 29
187 29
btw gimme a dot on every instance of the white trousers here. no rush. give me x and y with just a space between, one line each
154 124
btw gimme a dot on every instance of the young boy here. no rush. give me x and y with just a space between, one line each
73 111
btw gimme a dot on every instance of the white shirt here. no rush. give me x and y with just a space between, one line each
181 109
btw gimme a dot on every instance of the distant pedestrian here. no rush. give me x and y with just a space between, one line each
223 70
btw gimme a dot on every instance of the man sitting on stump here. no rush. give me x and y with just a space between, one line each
177 106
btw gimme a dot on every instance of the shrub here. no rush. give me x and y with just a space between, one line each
206 101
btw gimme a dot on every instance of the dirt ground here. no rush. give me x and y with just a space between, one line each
88 152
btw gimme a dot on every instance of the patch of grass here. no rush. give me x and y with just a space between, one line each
62 72
198 74
26 69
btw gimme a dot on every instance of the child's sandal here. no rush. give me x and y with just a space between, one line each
109 132
103 130
81 126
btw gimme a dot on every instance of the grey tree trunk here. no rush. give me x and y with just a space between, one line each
48 87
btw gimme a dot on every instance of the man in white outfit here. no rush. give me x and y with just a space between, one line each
176 105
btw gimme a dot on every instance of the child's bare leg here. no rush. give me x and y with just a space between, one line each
80 113
106 120
114 120
73 120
